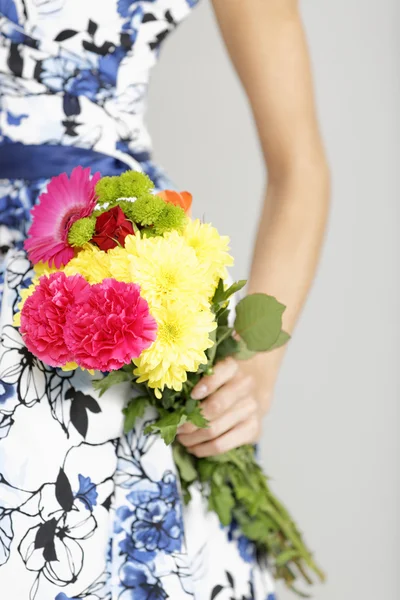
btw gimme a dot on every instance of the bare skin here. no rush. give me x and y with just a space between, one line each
267 46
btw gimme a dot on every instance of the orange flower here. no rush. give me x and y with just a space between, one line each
182 199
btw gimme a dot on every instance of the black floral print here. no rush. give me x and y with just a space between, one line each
87 512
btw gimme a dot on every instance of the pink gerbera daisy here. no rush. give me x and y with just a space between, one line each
65 201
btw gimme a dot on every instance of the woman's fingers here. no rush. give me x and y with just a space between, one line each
244 408
223 372
244 433
222 400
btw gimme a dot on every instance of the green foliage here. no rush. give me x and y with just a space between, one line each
134 410
222 501
81 231
259 321
167 424
196 417
130 184
222 316
113 378
242 352
212 351
222 295
238 489
168 398
185 463
235 287
228 347
283 339
219 294
187 471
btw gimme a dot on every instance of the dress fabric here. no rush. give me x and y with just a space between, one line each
87 512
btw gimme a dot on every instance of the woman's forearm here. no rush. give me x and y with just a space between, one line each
268 47
288 245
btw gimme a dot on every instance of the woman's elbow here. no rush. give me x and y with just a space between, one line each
305 172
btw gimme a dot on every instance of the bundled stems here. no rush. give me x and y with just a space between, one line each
247 500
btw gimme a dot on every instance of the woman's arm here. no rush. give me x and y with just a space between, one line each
267 45
266 42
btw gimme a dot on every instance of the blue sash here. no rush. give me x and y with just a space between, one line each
20 161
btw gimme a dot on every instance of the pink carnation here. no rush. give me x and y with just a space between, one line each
110 326
43 316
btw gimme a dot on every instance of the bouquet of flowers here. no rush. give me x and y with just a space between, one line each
128 285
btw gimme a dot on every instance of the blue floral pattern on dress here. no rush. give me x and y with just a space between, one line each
9 10
87 512
87 492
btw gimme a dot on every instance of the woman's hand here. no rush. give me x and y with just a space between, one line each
231 408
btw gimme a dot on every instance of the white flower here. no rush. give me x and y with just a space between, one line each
18 366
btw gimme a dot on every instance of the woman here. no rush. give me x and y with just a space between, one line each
85 511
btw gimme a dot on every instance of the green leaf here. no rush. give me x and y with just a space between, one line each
281 341
185 463
167 425
222 316
222 502
190 405
259 321
227 347
168 398
243 353
211 351
235 287
222 295
206 469
167 402
196 417
223 332
219 293
113 378
134 410
187 496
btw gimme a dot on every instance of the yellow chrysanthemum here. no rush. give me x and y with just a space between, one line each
131 242
182 339
43 268
167 269
212 249
120 258
120 264
91 262
24 294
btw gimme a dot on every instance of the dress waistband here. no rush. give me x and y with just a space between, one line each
20 161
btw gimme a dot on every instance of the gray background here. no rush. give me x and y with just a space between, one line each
330 441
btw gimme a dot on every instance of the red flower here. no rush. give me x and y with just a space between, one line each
108 327
112 227
44 315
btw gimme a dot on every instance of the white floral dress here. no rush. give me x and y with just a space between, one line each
87 512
